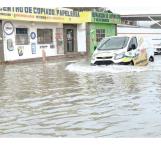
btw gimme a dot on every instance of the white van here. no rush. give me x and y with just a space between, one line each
133 50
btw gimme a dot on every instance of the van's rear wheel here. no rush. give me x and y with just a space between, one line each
132 63
151 59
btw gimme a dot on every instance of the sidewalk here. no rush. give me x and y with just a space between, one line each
64 57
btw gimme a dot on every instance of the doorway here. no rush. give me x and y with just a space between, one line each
70 38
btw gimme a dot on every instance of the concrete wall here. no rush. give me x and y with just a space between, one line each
152 34
138 31
110 30
81 36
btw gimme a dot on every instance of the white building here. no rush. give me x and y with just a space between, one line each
26 32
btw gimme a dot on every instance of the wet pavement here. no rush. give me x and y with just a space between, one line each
74 99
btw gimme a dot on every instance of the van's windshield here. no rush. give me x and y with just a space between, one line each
113 43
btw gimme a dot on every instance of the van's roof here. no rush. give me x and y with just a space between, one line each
121 36
145 39
130 36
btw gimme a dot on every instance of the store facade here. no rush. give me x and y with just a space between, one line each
26 40
27 32
100 25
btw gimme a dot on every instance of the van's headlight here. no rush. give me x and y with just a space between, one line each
93 57
119 56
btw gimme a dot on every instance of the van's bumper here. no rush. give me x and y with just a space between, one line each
109 62
122 61
102 62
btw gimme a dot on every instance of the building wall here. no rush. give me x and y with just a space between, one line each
149 32
27 49
153 35
11 54
81 36
110 30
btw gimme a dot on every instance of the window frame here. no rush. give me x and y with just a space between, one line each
100 34
22 37
43 32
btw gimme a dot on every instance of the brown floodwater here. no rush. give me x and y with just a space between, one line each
74 99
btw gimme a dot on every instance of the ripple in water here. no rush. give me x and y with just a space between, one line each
81 67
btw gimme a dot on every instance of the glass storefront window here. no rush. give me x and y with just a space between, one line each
22 37
100 33
44 36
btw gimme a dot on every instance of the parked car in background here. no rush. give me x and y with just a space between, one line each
156 45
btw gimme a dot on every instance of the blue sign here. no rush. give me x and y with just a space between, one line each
33 48
33 35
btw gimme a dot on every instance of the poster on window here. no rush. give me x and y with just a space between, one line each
10 45
33 48
20 50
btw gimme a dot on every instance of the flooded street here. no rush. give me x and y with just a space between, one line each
74 99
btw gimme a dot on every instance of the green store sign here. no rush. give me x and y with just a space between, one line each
104 17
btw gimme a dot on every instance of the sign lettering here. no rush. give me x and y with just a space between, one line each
41 11
104 17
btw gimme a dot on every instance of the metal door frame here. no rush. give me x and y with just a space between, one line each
74 28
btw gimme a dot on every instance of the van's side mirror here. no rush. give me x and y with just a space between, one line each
95 47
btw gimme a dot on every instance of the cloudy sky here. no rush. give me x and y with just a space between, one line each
117 6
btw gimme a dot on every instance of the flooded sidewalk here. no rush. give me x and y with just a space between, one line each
74 99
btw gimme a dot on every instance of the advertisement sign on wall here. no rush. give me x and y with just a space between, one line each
33 35
10 45
20 50
40 14
8 28
100 17
33 48
104 17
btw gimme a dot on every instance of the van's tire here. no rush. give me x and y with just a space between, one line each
151 59
131 63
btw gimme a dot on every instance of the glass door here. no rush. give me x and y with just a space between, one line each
70 40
